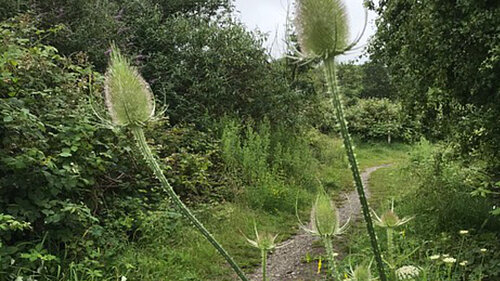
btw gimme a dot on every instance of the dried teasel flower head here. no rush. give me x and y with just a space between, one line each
128 98
322 27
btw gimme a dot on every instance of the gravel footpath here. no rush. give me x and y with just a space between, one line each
287 263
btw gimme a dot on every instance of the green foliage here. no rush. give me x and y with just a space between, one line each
90 25
423 242
273 163
377 119
203 78
369 80
61 173
445 193
443 57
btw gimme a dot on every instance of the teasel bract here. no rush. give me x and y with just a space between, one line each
323 33
130 104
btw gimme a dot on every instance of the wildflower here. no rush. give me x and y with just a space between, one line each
434 257
361 273
389 219
464 263
445 255
322 27
483 250
449 260
128 97
264 242
123 278
463 232
319 266
325 218
407 272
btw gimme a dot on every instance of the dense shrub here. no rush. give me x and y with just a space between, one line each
377 119
443 57
447 192
271 163
72 191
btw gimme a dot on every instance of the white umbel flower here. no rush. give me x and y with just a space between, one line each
449 260
434 257
407 272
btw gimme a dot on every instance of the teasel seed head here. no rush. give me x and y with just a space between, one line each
128 96
322 27
325 218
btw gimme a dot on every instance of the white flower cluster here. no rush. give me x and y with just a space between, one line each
407 272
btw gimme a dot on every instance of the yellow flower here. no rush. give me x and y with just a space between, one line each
319 266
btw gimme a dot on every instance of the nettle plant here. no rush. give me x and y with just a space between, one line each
130 104
323 33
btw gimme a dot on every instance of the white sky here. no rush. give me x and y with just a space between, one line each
270 16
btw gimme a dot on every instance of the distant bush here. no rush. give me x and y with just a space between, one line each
377 119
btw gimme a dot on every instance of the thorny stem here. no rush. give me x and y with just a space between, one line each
331 79
390 244
331 258
390 253
264 264
138 133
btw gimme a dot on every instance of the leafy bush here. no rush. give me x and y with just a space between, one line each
377 119
272 163
445 192
76 183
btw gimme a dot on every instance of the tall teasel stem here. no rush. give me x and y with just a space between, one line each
138 133
327 241
130 104
330 76
263 253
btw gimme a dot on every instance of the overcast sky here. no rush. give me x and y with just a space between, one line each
269 16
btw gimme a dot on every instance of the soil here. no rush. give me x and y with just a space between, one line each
290 263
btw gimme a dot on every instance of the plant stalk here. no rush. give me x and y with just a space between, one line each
264 264
331 258
138 133
331 80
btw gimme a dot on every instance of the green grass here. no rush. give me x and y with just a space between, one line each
187 256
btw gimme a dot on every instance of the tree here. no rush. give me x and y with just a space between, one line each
444 59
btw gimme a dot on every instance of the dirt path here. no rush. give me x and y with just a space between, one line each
287 263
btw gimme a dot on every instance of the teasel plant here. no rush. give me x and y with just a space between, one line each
325 223
361 272
130 105
323 35
266 243
389 220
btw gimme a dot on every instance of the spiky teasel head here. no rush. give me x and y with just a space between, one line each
128 98
390 219
362 272
325 218
265 242
322 27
